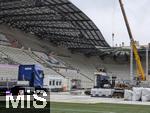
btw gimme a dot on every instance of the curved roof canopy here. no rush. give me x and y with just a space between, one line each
58 21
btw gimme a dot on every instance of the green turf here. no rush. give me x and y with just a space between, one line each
97 108
3 109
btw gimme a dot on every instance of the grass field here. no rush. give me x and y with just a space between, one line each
3 109
97 108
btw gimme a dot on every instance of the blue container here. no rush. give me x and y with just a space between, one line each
32 73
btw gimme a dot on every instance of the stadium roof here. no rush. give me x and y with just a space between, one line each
58 21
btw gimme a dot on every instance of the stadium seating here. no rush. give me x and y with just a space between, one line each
22 56
17 55
50 60
77 65
4 40
8 71
87 66
4 59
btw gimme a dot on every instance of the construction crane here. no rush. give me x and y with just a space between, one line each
133 45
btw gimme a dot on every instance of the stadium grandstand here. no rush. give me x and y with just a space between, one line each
60 37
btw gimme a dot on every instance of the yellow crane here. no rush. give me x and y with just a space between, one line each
133 45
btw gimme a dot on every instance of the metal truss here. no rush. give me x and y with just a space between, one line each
58 21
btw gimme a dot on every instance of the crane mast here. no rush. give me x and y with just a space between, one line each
133 45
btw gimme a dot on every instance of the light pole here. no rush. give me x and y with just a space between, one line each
147 50
131 65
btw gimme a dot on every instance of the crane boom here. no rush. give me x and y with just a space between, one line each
133 44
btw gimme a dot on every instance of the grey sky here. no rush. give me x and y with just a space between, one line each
107 15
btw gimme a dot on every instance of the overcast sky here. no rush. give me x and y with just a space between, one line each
107 16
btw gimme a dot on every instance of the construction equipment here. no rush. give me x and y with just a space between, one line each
103 85
141 76
106 86
102 80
